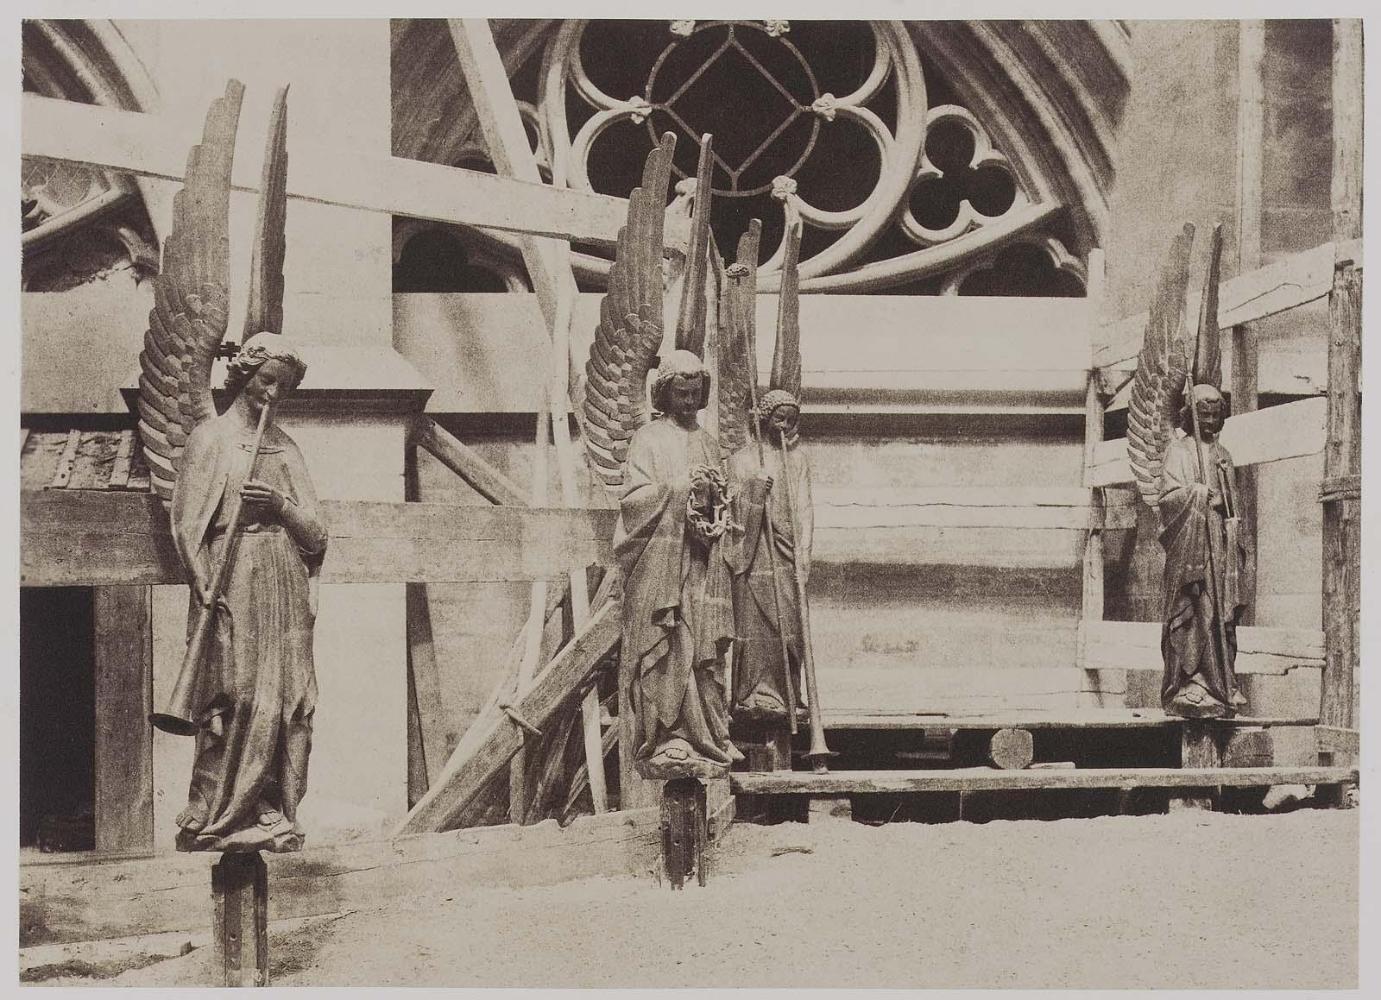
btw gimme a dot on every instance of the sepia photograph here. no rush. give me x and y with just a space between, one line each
685 503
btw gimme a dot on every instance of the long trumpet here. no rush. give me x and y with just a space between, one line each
819 752
179 717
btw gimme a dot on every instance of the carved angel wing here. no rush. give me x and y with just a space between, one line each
1158 386
786 357
629 333
738 315
191 297
690 323
1208 350
265 310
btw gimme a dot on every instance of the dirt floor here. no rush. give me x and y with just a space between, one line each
1188 899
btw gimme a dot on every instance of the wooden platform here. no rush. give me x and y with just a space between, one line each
982 779
1094 718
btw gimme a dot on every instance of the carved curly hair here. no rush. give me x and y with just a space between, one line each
256 350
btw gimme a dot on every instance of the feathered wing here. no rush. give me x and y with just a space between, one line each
629 333
1161 368
690 323
191 298
1208 351
265 310
786 357
738 315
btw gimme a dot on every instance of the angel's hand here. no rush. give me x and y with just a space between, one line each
1215 499
261 496
767 482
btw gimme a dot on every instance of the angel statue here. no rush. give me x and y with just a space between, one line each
1190 480
243 511
772 481
677 619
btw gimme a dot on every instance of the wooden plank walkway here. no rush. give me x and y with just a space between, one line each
983 779
1110 718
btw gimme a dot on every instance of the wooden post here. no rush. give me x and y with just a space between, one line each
1091 609
1341 493
124 700
829 808
1198 748
1250 178
240 897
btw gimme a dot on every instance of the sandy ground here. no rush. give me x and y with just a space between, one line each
1184 900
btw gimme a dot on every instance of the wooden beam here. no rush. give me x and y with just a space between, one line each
1260 650
465 462
465 776
1343 453
983 779
1337 740
1089 718
1245 353
83 538
437 738
156 146
1091 565
124 698
111 898
1290 430
1294 281
549 265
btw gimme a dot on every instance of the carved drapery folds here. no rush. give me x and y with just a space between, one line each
926 157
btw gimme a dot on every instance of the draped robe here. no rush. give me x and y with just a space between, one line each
257 676
758 676
677 619
1188 527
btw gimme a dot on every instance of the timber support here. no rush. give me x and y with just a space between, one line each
240 897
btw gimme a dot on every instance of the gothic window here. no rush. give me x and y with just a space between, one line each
78 224
927 157
901 187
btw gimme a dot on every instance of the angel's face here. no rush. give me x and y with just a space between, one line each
783 421
682 397
1210 413
272 381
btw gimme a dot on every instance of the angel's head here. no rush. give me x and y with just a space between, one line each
779 412
681 387
266 369
1209 406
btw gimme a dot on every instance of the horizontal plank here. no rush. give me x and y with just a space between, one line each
1091 718
1337 739
1289 430
1286 284
982 779
1260 650
115 899
1051 507
157 146
96 538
